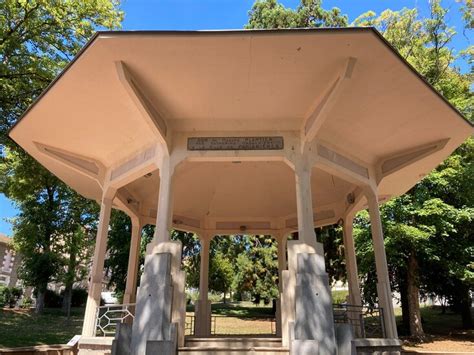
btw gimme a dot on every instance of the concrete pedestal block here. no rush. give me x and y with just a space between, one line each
344 337
178 315
314 319
160 347
121 345
164 347
305 347
154 301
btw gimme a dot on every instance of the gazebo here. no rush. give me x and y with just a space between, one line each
226 132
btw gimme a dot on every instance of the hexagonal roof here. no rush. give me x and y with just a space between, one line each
241 81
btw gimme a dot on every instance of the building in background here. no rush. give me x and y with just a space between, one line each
9 262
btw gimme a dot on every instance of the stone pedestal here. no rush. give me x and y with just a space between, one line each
314 318
154 303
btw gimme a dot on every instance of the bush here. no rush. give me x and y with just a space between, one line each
215 297
2 295
339 297
52 299
237 296
192 296
9 296
79 297
26 303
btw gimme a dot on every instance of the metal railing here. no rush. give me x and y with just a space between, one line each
107 318
213 325
189 325
367 322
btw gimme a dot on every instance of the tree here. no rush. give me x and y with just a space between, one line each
256 268
331 237
48 214
418 222
437 212
220 273
272 14
76 257
191 260
118 249
79 227
37 39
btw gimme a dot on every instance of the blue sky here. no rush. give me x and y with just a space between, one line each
232 14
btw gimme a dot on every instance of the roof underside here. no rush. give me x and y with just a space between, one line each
241 81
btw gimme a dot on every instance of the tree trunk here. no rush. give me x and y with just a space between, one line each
465 307
225 301
40 302
413 293
404 302
67 300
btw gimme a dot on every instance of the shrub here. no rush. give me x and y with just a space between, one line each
79 297
237 296
215 297
9 296
26 302
339 297
2 295
52 299
192 296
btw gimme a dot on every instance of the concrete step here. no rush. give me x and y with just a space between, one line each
233 342
233 346
233 350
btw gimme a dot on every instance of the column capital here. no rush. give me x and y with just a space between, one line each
206 236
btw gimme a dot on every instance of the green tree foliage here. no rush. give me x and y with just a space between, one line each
272 14
191 248
221 273
432 223
428 231
37 39
332 239
50 214
118 249
256 268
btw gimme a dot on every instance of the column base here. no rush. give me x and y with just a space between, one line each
93 301
202 325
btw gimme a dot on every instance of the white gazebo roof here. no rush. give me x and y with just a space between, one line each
361 105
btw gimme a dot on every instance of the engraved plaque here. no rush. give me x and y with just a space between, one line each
235 143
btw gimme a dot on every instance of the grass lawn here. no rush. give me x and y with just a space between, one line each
443 332
24 328
243 318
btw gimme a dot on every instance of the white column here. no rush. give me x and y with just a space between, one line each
304 204
204 269
165 203
203 306
351 262
95 285
282 265
383 282
133 258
